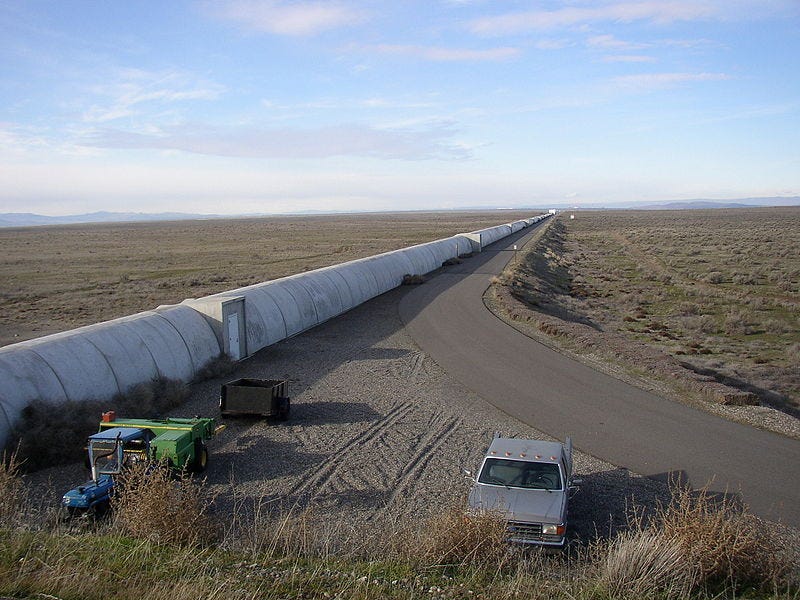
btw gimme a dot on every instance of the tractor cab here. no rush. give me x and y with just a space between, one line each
112 449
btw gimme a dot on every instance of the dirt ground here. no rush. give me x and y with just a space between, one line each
378 432
58 278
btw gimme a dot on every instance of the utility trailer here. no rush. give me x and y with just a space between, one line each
256 398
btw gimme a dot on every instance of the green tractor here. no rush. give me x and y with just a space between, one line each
178 443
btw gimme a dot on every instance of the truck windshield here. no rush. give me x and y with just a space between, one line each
521 474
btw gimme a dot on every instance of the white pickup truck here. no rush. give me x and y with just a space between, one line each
527 482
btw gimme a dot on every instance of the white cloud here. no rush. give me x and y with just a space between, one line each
287 18
348 103
609 42
654 11
628 58
433 142
438 53
551 44
134 87
653 81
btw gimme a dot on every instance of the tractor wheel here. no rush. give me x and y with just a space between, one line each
99 510
200 461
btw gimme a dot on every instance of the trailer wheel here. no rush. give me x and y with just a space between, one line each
200 461
284 405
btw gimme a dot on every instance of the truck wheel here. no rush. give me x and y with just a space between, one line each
200 461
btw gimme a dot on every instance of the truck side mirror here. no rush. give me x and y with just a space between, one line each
468 474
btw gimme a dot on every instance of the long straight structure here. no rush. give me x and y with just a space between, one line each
102 360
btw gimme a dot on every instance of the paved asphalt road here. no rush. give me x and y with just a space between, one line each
607 418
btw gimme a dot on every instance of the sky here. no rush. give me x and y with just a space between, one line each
273 106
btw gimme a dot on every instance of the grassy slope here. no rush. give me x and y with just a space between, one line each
710 292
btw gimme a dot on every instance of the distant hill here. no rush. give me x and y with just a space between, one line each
30 219
685 204
696 205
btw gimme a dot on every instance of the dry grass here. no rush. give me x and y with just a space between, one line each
700 544
151 503
11 489
162 544
725 545
711 296
455 538
61 277
644 564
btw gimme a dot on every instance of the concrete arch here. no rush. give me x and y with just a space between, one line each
491 234
80 367
262 309
517 226
195 333
323 292
288 307
345 292
359 279
423 258
127 354
170 353
388 270
303 300
24 377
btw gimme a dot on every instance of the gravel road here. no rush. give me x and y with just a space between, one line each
377 430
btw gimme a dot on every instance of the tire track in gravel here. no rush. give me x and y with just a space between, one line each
416 367
411 369
340 458
426 450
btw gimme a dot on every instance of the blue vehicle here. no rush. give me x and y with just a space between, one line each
109 451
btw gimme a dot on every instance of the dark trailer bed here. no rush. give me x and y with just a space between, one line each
255 397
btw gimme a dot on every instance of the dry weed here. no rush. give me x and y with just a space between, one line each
455 538
643 564
220 366
49 434
151 504
725 544
11 490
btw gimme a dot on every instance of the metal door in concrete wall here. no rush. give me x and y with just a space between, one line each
233 337
234 332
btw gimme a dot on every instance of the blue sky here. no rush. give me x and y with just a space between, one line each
240 106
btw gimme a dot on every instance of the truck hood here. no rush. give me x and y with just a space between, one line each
516 504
